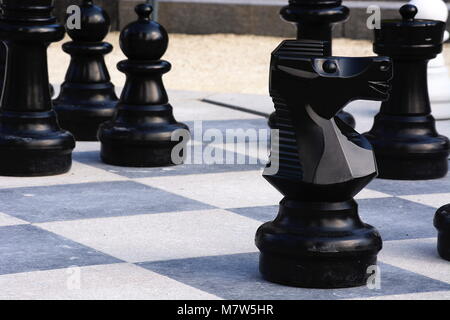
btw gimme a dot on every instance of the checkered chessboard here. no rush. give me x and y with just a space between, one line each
187 232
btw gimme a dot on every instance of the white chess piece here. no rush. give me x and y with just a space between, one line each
438 74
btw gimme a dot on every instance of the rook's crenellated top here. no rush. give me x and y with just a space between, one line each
409 36
36 11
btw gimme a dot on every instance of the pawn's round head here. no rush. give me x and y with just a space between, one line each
94 22
144 39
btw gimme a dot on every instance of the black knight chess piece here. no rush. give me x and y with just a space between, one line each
321 163
142 132
315 20
87 97
404 136
442 224
31 142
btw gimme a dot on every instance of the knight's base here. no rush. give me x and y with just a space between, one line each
318 245
320 273
127 155
414 168
34 163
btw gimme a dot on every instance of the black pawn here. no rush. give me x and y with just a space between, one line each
87 97
31 142
140 135
404 136
442 224
315 20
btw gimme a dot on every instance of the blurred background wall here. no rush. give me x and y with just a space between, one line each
257 17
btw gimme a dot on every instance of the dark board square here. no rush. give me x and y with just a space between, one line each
26 248
237 277
91 200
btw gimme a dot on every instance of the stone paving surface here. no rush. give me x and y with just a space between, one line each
187 232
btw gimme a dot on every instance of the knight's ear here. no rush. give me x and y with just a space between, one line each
298 72
299 68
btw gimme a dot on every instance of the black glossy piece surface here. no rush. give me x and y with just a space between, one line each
140 135
315 20
318 239
442 224
2 64
87 97
404 136
31 142
2 60
3 67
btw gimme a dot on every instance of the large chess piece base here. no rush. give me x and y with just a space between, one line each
83 120
26 151
128 144
127 155
409 147
442 224
318 245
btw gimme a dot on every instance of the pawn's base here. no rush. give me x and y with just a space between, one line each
83 128
318 245
83 118
128 155
34 163
414 168
323 273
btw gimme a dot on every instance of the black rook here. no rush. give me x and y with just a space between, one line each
87 97
31 142
142 133
404 136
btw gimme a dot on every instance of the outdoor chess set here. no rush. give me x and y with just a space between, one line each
119 218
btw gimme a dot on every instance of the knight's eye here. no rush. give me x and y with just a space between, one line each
385 66
329 66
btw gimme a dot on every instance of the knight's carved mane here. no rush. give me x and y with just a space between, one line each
287 148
